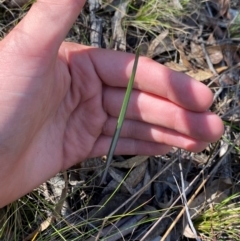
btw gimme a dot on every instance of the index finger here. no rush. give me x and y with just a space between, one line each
114 68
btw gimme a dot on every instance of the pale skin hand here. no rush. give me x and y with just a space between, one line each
59 102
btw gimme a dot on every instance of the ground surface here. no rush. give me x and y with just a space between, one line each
144 196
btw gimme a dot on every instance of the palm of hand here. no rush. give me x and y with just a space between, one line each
62 104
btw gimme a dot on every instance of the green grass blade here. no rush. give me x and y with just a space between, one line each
121 117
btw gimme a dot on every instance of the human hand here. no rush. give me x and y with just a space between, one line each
59 102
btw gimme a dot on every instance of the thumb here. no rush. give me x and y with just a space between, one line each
44 27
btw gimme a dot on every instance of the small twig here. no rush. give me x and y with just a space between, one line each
185 200
218 93
230 112
209 9
224 72
210 65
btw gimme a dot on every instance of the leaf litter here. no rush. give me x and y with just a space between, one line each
143 196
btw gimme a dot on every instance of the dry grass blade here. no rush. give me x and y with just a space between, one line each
184 198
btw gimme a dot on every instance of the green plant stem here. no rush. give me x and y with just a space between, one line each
121 118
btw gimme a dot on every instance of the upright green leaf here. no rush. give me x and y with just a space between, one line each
121 117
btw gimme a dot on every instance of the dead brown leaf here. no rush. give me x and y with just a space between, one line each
184 58
119 176
197 54
215 54
188 233
130 163
137 175
199 74
155 43
177 67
